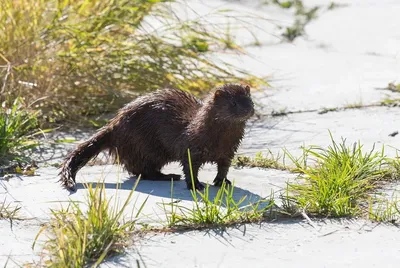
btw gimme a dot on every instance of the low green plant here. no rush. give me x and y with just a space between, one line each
392 167
337 180
294 31
328 110
223 209
286 4
78 237
391 102
384 210
303 17
220 210
355 105
16 123
196 43
262 161
334 5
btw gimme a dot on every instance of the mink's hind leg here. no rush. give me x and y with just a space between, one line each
149 168
150 171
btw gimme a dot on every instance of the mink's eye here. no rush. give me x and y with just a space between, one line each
234 103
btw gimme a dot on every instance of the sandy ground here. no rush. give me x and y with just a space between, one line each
345 55
283 244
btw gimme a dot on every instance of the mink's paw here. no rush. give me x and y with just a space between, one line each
197 185
218 181
70 185
68 182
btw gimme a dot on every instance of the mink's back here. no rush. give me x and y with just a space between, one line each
152 125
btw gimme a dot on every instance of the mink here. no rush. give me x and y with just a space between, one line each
165 126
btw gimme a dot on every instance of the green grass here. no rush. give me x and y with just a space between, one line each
392 102
16 125
262 161
221 210
355 105
393 167
79 237
328 110
334 182
286 4
294 31
337 180
334 5
384 210
303 17
395 102
86 57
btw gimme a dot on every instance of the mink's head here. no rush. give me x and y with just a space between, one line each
232 102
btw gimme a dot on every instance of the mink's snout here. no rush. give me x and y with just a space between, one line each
245 109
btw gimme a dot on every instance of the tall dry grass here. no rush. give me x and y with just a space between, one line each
83 57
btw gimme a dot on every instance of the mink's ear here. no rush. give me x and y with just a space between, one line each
247 88
217 93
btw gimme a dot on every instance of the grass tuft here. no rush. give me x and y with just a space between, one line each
356 105
262 161
223 209
384 210
303 17
294 31
78 237
393 168
339 179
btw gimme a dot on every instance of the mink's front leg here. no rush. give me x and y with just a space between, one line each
223 168
188 178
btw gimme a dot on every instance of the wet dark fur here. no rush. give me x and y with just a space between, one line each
158 128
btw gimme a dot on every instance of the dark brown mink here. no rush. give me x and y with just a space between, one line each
160 127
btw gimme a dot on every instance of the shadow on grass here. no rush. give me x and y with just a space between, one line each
163 189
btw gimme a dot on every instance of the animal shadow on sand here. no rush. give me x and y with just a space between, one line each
163 189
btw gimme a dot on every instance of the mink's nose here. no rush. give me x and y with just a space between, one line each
252 111
250 108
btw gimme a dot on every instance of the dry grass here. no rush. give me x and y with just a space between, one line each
9 211
84 57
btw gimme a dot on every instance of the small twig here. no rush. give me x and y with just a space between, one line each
329 233
308 219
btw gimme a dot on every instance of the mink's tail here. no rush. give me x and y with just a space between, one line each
81 155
